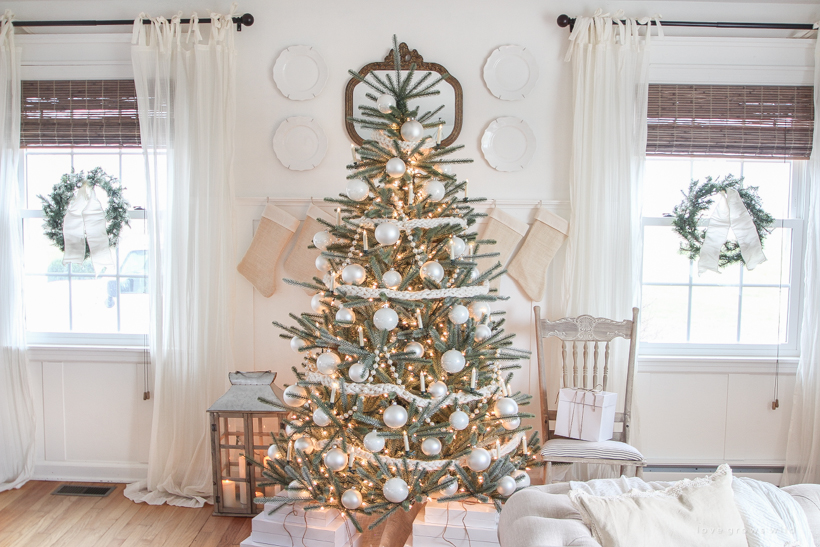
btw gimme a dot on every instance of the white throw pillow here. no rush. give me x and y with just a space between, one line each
689 513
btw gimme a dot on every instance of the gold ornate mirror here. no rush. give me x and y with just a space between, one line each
450 95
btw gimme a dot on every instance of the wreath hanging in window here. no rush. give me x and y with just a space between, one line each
738 208
76 222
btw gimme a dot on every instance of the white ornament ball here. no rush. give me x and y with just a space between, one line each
345 315
335 459
273 451
395 416
434 189
354 274
391 279
297 494
357 190
506 407
506 486
446 168
387 233
395 490
479 459
322 239
395 167
459 314
358 373
316 303
322 264
431 446
479 309
474 275
449 490
414 348
411 131
459 420
482 332
294 395
320 418
373 442
289 429
328 362
352 499
305 444
511 423
296 344
523 483
385 319
438 389
453 361
457 245
385 102
432 270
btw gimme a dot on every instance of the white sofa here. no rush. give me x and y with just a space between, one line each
543 516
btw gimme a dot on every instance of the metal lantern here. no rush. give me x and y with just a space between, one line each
240 425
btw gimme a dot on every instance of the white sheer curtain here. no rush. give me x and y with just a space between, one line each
609 94
803 450
186 95
16 406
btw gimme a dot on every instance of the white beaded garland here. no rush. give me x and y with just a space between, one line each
479 309
322 239
335 459
296 344
354 274
395 167
345 315
438 389
431 446
432 270
482 332
321 418
385 319
411 130
385 102
453 361
395 490
373 442
294 395
506 486
328 362
479 460
352 498
322 264
395 416
459 314
523 483
459 420
391 279
305 444
434 189
387 233
357 190
416 349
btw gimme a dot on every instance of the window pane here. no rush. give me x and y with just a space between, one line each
43 171
663 314
40 255
662 260
134 305
714 315
92 309
773 180
715 169
133 179
46 299
778 250
109 162
730 275
663 182
764 315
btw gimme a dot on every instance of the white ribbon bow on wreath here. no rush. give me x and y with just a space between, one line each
729 212
85 220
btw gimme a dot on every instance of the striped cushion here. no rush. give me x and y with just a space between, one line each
571 448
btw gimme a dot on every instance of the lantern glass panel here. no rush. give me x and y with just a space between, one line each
234 465
231 431
263 426
234 495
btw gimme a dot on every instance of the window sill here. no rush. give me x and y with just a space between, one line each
89 354
703 364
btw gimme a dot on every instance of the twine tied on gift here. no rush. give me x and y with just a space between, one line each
463 524
582 403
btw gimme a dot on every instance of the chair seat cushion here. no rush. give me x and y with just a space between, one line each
603 450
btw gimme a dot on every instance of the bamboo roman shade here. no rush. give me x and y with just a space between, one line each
731 121
79 113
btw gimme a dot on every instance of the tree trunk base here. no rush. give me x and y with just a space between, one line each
393 532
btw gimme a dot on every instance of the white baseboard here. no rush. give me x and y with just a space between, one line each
120 472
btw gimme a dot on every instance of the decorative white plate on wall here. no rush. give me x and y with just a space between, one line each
300 73
508 144
300 143
511 72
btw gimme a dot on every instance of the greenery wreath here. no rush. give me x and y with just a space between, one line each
697 202
56 204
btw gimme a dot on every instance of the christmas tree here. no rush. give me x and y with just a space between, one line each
404 392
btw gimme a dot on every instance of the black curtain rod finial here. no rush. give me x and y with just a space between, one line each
564 20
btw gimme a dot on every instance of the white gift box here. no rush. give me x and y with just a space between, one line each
249 542
424 531
315 517
585 415
474 515
292 530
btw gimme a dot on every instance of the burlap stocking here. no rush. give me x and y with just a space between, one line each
301 263
529 267
507 232
275 229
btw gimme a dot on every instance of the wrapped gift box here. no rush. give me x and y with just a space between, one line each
315 517
291 530
585 415
249 542
473 515
454 531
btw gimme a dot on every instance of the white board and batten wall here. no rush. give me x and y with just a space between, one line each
93 423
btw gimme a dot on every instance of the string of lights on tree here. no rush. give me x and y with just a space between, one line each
404 392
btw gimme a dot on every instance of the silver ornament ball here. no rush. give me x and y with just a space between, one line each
358 373
395 167
431 446
453 361
354 274
506 486
414 348
391 279
395 416
357 190
438 389
446 168
316 303
449 490
335 459
459 314
385 102
479 309
474 274
294 395
352 498
479 459
459 420
297 494
322 264
411 130
345 315
273 451
322 239
385 319
482 332
506 407
387 233
524 482
296 344
320 418
305 444
395 490
511 423
289 429
373 442
457 245
434 190
327 362
432 270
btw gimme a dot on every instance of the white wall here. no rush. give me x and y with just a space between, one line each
714 414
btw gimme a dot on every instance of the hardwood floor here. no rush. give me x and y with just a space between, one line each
32 517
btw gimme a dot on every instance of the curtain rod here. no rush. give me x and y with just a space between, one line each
246 20
567 21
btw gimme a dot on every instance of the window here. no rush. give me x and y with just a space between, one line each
716 132
81 125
